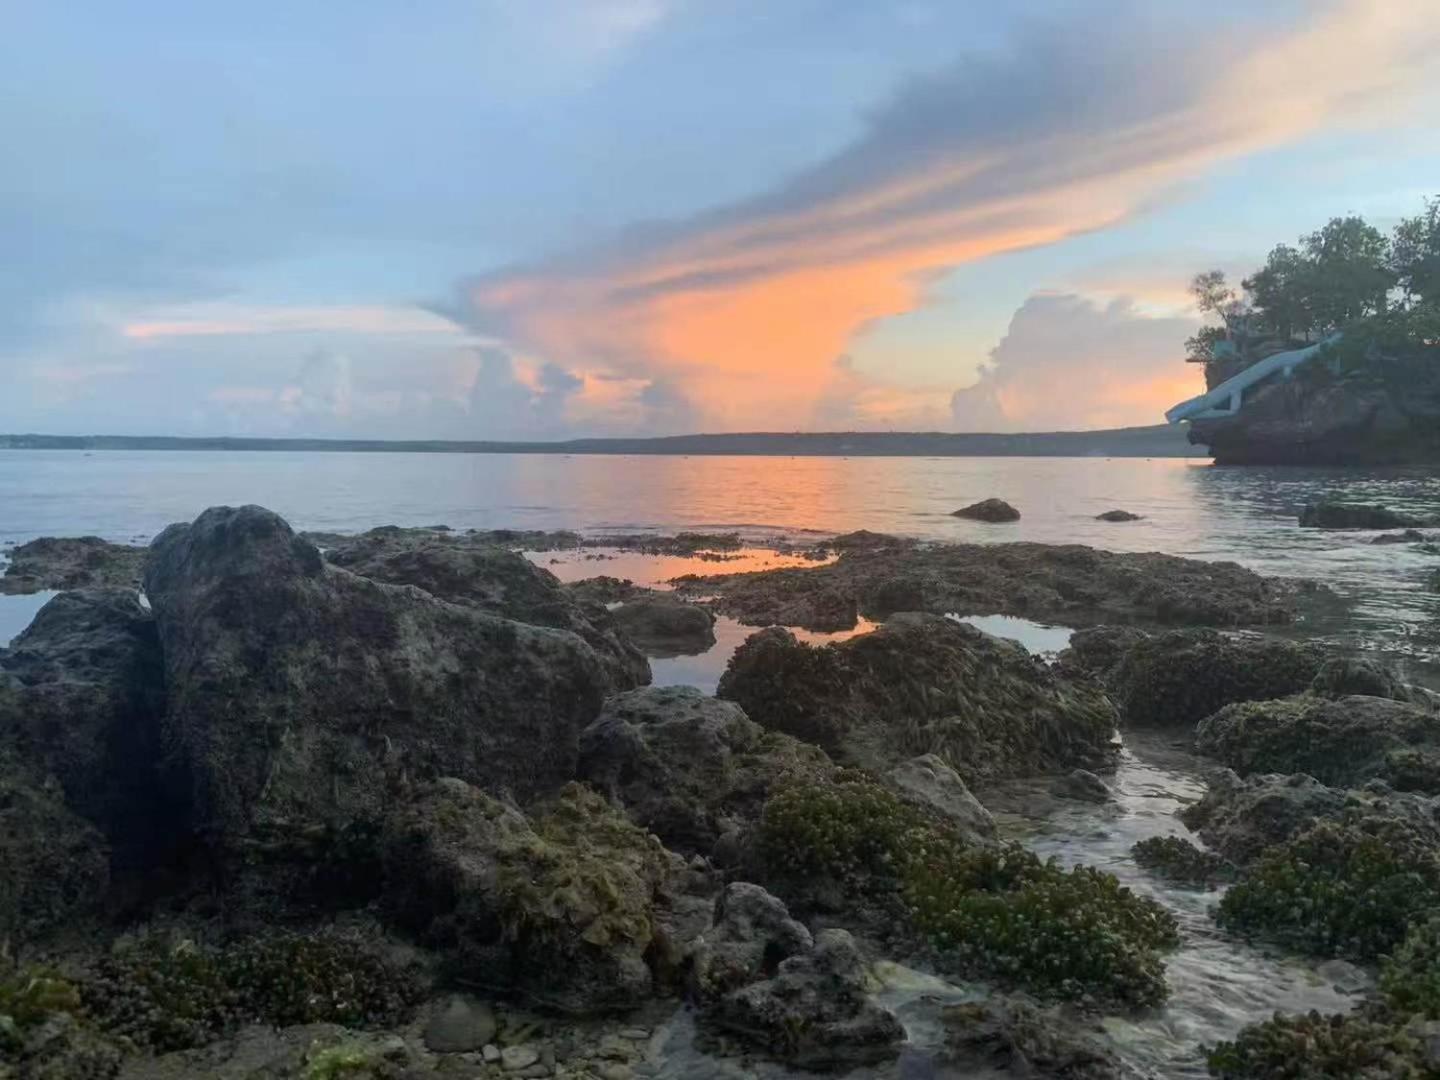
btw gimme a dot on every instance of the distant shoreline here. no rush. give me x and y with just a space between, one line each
1159 441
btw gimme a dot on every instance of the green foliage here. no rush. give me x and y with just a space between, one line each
1316 1047
1178 860
1337 889
341 1063
999 913
1410 979
1415 254
165 998
27 999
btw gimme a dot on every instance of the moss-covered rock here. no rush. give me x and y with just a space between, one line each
160 996
924 684
54 866
42 1035
1338 889
1342 742
1241 818
1354 1046
559 908
1342 676
993 912
1176 679
688 767
1178 860
1016 1037
1410 978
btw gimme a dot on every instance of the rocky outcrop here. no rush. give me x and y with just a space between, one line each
1118 516
752 933
493 579
1082 785
56 866
1178 678
688 767
663 625
1343 676
84 562
923 684
1013 1036
1392 419
1342 742
1098 650
815 1012
994 511
300 694
558 908
1241 818
82 698
1340 515
1068 584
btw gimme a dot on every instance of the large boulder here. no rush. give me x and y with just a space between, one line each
815 1012
923 684
85 701
300 694
559 908
467 570
663 625
1342 742
1178 678
1014 1036
688 767
54 866
1342 676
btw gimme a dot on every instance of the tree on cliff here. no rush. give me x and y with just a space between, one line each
1415 255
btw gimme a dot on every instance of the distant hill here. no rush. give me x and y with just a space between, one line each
1160 441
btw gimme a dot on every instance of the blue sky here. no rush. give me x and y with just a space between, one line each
498 219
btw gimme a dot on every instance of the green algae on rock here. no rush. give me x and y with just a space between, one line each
923 684
1343 742
1353 1046
1179 861
1178 678
1338 889
559 908
994 912
1410 976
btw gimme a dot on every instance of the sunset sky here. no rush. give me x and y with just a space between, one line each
547 218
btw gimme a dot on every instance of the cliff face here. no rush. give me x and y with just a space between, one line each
1387 415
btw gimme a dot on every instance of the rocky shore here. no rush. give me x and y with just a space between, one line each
402 805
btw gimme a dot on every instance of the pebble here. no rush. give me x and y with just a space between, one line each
616 1071
637 1033
515 1058
491 1053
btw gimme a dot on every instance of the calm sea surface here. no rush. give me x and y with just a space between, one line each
1190 508
1218 983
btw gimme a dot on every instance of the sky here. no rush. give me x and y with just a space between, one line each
543 219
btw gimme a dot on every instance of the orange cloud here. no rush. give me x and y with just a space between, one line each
747 308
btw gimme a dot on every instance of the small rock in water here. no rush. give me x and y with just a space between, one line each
515 1058
460 1026
637 1033
491 1053
1083 785
1118 515
992 510
1344 976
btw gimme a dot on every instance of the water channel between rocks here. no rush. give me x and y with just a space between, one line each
1218 984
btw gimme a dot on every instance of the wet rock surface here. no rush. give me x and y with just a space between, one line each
663 625
688 767
1118 516
1343 741
301 694
1342 515
72 563
1178 678
994 511
923 684
1014 1036
1067 584
815 1012
493 579
929 782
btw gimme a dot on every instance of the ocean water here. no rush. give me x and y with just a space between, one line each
1190 508
1392 607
